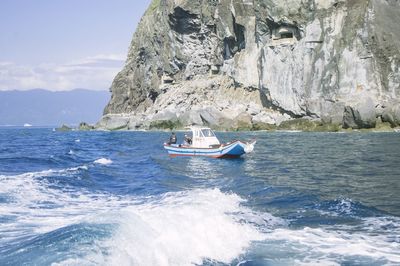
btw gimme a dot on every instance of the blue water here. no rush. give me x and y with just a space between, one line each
116 198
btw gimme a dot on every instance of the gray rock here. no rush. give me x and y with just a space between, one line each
64 128
302 59
113 122
332 112
367 113
391 113
133 124
396 115
165 115
210 116
243 122
362 115
388 118
85 126
351 118
191 117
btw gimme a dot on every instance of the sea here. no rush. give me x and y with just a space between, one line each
117 198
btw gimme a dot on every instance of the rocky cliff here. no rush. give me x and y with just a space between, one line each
255 64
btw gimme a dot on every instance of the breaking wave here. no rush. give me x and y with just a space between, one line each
179 228
176 228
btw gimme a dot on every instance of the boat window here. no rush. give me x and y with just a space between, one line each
208 133
197 133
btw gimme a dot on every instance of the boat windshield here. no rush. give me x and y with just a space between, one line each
207 133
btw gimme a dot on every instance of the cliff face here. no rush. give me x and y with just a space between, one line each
256 63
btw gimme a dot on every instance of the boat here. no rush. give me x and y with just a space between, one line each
205 143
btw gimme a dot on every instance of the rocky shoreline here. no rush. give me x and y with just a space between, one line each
121 122
124 123
294 125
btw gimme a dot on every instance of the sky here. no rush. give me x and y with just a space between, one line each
65 44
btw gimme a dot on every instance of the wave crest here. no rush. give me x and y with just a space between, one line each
103 161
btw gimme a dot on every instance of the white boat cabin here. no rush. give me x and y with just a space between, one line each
203 137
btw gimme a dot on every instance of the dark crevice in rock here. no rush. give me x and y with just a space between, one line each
234 44
240 35
351 118
152 95
311 114
229 44
283 30
183 22
262 32
205 122
142 56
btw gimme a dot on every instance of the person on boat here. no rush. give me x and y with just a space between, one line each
187 140
172 139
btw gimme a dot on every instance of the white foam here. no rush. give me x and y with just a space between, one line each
344 206
103 161
77 140
318 244
27 193
290 131
178 228
181 228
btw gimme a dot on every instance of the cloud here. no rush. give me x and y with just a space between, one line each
95 73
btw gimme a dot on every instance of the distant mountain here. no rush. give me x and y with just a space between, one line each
46 108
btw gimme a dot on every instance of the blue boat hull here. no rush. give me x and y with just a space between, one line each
229 150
